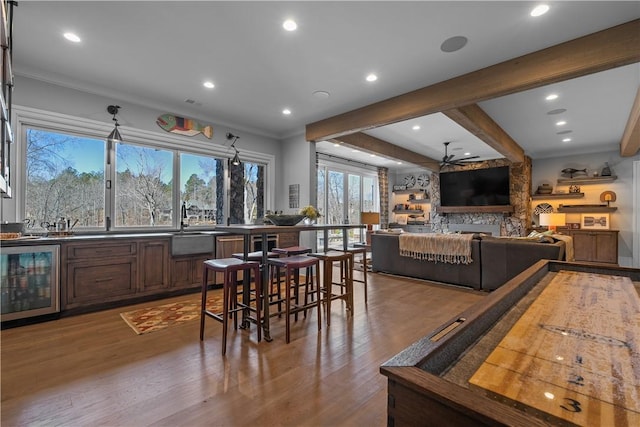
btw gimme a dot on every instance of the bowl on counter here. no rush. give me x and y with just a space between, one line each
284 219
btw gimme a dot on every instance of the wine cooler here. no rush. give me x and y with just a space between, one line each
29 281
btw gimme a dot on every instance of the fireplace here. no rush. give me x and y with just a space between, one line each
492 229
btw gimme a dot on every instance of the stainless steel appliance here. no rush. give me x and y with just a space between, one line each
29 281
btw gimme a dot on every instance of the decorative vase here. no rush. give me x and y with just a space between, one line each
308 221
545 189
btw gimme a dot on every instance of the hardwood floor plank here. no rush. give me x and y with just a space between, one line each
92 369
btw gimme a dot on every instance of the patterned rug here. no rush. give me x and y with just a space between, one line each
151 319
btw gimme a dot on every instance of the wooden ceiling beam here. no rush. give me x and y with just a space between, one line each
610 48
384 148
630 143
476 121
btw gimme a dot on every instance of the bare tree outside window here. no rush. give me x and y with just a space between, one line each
64 178
143 186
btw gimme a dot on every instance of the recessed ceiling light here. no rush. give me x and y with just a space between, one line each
557 111
72 37
416 127
566 140
321 94
208 85
372 77
561 123
289 25
286 111
551 97
453 44
467 154
539 10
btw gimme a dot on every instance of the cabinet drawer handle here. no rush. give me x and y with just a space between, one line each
106 279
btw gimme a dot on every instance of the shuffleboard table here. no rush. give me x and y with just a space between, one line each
557 345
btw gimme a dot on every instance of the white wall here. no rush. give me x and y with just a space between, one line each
549 170
45 96
298 163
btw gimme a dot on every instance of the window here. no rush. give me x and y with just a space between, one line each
71 172
201 180
143 194
65 177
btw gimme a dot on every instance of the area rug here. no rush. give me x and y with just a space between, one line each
152 319
145 320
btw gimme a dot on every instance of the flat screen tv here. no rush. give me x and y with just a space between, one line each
478 187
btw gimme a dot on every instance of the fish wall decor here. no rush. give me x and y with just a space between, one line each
183 126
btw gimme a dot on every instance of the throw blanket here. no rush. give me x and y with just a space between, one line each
449 248
568 246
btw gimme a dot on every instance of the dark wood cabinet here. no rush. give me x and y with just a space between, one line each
595 245
98 273
186 271
105 271
154 264
287 240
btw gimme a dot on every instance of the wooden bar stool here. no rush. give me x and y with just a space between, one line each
292 265
363 252
275 272
230 305
345 285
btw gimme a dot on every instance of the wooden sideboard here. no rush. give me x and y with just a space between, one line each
594 245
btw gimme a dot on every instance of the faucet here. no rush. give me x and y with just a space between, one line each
183 216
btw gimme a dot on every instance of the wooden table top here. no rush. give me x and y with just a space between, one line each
573 356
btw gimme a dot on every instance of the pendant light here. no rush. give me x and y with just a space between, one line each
236 158
114 136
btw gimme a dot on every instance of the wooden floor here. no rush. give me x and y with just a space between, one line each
93 370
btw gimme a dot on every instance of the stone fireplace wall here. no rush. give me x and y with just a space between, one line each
515 224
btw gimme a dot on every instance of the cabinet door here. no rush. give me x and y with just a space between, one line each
101 280
606 247
225 246
186 272
154 264
287 240
583 246
181 276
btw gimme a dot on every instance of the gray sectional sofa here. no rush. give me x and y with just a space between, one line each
495 260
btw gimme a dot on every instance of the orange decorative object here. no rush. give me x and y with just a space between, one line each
608 196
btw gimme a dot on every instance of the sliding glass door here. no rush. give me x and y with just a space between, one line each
342 195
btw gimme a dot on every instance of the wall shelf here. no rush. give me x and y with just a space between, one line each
586 209
408 211
410 191
557 196
587 180
506 209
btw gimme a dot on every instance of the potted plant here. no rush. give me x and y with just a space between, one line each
310 213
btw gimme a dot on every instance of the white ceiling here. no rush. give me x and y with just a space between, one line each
164 51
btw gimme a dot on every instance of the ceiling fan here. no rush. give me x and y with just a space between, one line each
448 159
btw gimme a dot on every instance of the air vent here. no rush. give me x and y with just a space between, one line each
190 101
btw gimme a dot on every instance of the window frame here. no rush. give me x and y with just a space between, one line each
26 117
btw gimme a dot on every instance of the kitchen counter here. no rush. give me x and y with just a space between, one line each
46 240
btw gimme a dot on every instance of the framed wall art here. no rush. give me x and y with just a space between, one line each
595 221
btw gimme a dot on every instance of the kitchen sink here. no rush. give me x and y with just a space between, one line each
187 243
